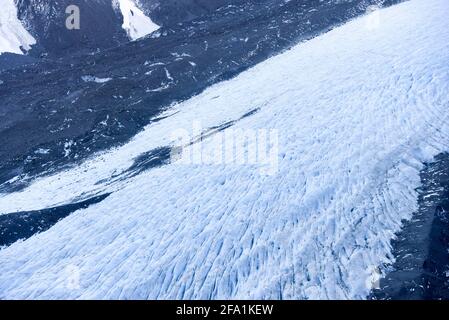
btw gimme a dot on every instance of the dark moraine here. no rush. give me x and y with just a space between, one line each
421 270
10 61
22 225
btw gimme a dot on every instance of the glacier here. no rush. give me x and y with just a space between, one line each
357 111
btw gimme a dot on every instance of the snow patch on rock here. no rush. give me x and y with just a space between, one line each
14 37
135 22
95 79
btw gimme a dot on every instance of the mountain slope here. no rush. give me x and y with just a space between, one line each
100 25
171 12
356 111
104 23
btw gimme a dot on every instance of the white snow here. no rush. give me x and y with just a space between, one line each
357 112
95 79
13 35
135 22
